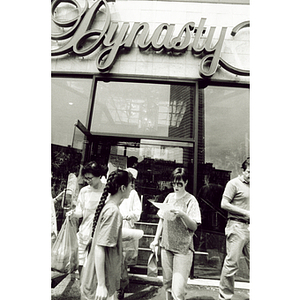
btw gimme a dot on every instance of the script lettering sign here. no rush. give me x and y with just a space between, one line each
109 40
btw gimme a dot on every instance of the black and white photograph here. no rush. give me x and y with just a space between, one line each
137 151
160 90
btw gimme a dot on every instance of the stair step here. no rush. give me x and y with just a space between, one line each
201 258
138 269
148 228
196 252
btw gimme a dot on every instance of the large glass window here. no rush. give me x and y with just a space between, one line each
163 110
227 127
69 103
155 122
226 135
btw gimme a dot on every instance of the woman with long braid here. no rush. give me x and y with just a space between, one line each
102 271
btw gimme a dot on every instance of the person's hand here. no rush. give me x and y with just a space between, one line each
153 245
127 239
70 213
177 212
101 292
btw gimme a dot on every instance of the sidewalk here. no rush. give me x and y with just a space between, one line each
144 288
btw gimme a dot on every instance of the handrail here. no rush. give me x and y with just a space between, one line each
216 209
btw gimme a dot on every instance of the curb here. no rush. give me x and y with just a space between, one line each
193 282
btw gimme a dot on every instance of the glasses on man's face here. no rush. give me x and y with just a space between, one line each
179 184
88 178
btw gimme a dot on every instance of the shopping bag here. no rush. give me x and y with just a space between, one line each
130 250
152 268
130 244
64 253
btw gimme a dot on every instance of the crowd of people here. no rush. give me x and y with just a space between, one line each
106 205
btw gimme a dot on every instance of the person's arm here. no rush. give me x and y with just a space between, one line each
225 204
135 214
228 195
188 222
157 235
101 292
78 211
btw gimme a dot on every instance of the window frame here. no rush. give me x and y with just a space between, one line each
198 83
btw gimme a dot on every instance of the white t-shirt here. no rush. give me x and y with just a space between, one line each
87 203
131 207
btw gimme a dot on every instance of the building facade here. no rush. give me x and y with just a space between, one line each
164 81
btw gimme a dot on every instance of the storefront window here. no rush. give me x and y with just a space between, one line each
227 127
163 110
155 123
226 124
69 103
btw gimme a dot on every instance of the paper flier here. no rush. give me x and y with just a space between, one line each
163 206
165 209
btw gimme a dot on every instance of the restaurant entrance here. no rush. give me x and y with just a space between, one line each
156 159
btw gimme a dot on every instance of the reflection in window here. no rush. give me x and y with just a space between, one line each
144 109
227 128
156 161
173 152
69 102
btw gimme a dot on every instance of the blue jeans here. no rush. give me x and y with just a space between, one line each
237 243
176 269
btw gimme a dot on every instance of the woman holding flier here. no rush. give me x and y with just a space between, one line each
177 227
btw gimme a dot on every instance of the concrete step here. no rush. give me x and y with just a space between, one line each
158 281
142 270
201 258
210 259
201 262
148 228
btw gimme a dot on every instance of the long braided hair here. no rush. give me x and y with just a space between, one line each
115 180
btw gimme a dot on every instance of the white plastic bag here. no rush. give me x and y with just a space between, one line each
64 254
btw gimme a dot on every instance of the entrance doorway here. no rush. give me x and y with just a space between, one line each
156 159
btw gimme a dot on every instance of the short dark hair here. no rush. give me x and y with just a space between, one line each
246 164
178 174
131 161
95 169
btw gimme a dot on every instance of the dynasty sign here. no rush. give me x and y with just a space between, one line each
109 41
